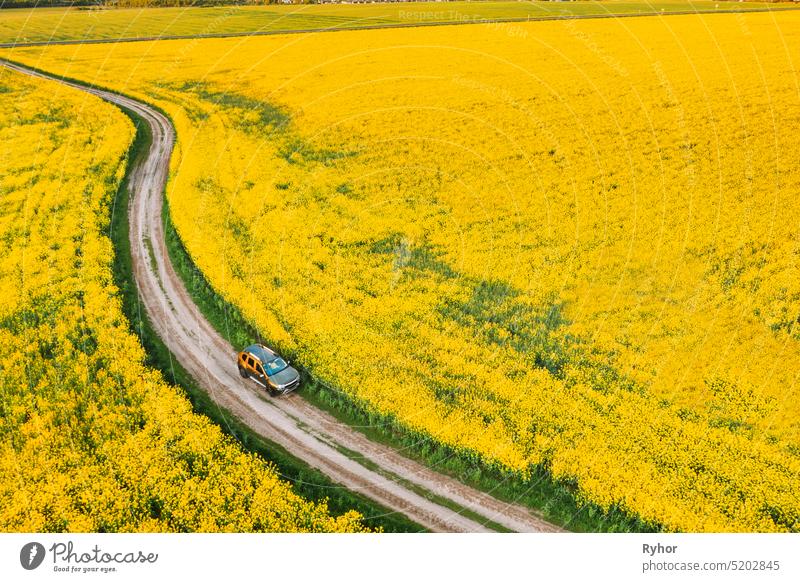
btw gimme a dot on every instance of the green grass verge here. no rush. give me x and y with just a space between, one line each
305 480
554 500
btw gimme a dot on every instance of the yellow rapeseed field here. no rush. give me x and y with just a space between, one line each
90 438
570 244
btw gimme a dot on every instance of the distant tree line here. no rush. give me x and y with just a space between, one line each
102 4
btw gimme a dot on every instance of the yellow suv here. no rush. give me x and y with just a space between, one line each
265 367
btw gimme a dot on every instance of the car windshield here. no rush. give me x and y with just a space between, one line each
275 366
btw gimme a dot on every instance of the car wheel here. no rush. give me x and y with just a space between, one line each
242 372
272 392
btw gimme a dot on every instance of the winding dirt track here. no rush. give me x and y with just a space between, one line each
306 432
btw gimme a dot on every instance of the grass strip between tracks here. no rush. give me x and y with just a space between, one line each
421 491
305 480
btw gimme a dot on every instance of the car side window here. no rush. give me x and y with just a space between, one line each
259 369
250 361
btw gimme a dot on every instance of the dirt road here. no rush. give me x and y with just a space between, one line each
317 438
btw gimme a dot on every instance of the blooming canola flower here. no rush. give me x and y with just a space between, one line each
574 248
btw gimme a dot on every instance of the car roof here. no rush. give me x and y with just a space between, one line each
261 352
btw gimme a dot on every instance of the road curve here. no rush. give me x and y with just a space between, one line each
306 432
